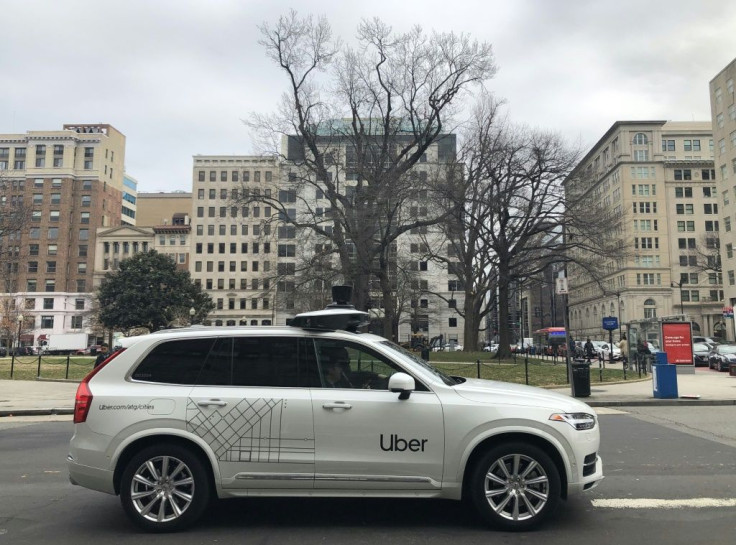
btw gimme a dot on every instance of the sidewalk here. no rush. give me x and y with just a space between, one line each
28 398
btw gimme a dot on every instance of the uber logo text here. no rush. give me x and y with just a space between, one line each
397 444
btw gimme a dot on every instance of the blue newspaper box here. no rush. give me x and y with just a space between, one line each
664 378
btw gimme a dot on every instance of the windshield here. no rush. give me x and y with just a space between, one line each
416 359
701 347
727 349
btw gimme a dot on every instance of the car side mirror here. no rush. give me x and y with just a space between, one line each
402 384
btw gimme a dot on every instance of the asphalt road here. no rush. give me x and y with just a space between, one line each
657 453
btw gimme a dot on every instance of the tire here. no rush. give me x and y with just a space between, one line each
165 488
502 490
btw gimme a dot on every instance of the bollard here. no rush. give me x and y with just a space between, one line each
67 366
12 365
38 372
477 363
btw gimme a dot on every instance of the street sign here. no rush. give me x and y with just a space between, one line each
728 312
610 323
561 286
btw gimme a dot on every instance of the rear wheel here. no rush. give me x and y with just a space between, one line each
515 486
165 488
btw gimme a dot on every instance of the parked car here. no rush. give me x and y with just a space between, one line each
700 354
3 352
23 351
89 351
605 351
491 348
177 419
707 340
722 356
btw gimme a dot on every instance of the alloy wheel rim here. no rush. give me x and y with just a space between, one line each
162 489
516 487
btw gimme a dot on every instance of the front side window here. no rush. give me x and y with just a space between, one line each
347 365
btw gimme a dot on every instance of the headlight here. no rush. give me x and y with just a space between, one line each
579 421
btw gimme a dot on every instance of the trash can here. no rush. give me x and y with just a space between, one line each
732 370
425 353
580 378
660 358
664 378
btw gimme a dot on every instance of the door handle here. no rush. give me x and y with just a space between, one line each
210 402
336 405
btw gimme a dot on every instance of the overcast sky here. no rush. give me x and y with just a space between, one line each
177 76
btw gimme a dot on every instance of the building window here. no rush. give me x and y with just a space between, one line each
640 139
47 322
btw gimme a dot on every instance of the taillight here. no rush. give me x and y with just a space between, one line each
83 399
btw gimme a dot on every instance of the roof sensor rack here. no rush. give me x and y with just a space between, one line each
340 314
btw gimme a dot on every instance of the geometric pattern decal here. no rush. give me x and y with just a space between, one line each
247 432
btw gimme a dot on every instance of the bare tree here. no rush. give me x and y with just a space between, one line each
15 219
516 214
366 115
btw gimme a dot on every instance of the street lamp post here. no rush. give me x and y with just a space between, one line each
192 312
679 285
20 326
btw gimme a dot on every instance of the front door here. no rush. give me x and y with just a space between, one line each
365 436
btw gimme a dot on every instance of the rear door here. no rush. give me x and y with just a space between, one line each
250 407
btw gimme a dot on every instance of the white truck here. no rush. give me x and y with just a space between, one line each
65 343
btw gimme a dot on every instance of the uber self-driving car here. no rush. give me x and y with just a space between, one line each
174 420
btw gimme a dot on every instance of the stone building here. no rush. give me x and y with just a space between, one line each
659 177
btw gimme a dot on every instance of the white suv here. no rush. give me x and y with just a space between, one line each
175 419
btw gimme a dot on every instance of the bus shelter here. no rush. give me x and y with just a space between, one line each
669 334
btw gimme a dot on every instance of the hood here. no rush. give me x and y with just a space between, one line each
495 392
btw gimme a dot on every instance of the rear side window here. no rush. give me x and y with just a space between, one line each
175 362
266 361
230 361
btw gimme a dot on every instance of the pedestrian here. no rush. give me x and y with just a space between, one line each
589 350
102 355
623 345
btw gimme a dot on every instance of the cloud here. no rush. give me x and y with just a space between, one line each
177 76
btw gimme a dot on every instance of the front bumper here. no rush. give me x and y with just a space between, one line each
588 482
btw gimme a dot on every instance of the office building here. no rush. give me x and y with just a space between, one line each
233 256
73 180
658 176
723 111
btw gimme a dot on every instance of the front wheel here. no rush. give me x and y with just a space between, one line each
165 488
515 486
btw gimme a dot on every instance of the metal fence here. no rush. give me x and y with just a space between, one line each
50 367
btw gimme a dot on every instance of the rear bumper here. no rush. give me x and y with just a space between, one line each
93 478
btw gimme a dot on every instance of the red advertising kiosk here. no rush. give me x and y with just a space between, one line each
677 343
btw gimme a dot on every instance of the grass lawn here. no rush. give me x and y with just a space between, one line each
541 373
453 363
52 367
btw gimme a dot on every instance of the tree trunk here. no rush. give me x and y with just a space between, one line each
504 338
470 330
